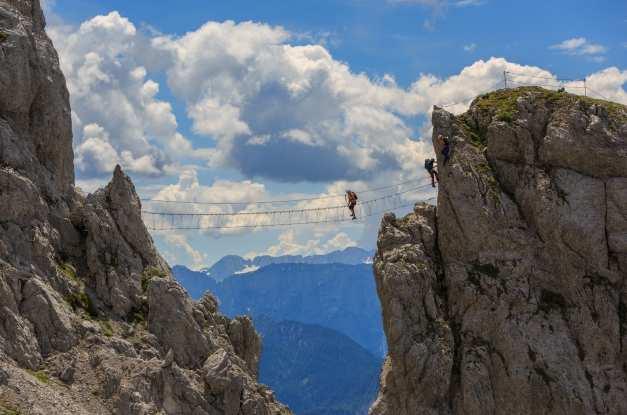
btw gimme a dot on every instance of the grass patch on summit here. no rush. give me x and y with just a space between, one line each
502 106
501 103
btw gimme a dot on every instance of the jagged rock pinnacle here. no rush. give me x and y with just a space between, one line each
85 298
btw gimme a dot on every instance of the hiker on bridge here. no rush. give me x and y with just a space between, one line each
351 201
445 145
431 167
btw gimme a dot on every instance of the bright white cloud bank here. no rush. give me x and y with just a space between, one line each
287 112
116 115
291 243
270 109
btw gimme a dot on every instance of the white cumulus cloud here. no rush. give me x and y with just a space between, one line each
287 112
103 60
289 244
178 242
581 46
466 3
608 84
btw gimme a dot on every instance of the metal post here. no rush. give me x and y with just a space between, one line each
505 78
585 88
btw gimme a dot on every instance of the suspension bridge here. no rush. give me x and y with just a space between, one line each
164 215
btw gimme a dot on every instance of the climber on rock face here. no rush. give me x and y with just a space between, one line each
430 166
351 201
445 145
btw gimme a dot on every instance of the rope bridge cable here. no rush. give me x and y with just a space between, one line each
287 201
510 79
328 214
514 78
546 85
339 220
598 93
452 104
586 88
246 213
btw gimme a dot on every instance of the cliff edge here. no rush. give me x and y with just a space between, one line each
91 320
510 297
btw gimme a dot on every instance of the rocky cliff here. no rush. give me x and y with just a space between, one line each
510 297
91 321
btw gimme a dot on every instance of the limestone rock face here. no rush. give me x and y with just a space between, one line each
171 319
36 129
510 296
91 321
420 341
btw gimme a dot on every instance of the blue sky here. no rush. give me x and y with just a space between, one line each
381 37
312 97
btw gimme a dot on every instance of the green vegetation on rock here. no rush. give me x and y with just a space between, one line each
505 116
502 105
6 409
149 274
106 327
501 102
139 314
68 271
138 318
80 300
475 133
40 375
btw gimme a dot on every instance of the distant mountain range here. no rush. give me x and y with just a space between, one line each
320 320
233 264
337 296
195 282
315 370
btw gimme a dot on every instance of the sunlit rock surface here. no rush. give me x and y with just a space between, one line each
510 296
91 321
